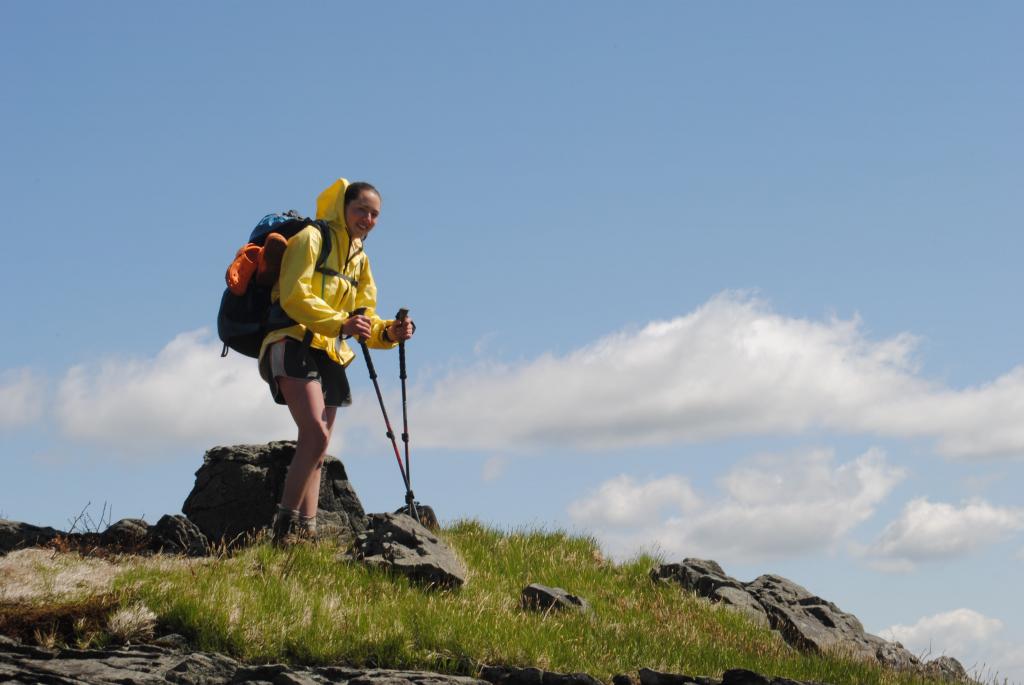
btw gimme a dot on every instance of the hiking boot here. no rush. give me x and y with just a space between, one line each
287 530
307 528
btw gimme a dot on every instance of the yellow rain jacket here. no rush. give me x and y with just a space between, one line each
321 302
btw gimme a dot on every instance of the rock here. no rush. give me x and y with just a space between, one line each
17 535
651 677
153 665
427 517
543 598
741 676
172 641
398 542
126 533
510 675
743 602
237 490
702 576
177 535
811 623
805 621
946 668
892 654
708 579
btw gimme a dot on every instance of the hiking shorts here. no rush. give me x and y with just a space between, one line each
293 359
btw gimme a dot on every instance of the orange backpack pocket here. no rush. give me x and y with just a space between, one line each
241 270
269 264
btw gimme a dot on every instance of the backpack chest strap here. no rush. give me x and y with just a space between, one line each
337 274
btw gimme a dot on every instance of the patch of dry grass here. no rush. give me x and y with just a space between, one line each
32 575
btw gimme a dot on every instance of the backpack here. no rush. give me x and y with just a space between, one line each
246 313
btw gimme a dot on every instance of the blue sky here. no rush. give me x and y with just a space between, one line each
725 280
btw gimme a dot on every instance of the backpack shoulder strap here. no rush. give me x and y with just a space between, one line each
325 244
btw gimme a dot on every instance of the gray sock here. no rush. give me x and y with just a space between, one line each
308 522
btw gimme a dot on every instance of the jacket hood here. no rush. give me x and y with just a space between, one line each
330 205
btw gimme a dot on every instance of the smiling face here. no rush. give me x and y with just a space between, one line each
361 214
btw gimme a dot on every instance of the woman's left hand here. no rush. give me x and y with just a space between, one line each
401 330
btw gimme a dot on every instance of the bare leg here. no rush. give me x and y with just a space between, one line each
306 404
311 497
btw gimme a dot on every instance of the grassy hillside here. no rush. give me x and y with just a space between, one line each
309 605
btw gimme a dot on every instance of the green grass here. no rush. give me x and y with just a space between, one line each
308 605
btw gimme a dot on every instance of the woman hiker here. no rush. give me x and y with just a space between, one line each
304 365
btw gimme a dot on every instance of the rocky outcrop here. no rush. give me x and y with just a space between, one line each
804 620
399 543
238 487
708 579
510 675
171 535
17 535
153 665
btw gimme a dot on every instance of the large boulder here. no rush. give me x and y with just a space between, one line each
398 542
811 623
17 535
238 487
805 621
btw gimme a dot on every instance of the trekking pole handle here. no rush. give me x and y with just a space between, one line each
402 314
358 312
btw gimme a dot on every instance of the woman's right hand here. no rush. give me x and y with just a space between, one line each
356 325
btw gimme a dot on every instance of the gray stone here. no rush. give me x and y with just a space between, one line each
811 623
152 665
398 542
427 517
707 579
510 675
17 535
126 533
177 535
743 602
172 641
948 669
892 654
543 598
702 576
237 490
741 676
652 677
805 621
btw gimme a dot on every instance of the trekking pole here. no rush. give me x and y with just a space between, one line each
401 316
383 410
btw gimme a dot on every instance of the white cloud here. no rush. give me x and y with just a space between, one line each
185 396
21 398
730 368
773 506
624 502
977 641
951 633
928 531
